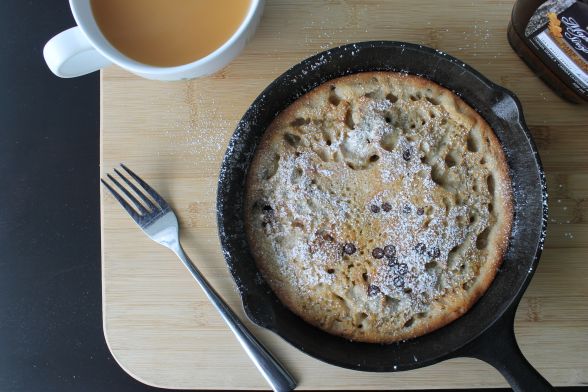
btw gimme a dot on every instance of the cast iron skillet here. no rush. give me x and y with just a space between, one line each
486 331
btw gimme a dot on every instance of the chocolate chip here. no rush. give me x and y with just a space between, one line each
420 211
406 209
400 268
386 207
349 248
434 252
328 237
390 251
420 248
373 290
406 155
378 253
268 215
398 281
375 209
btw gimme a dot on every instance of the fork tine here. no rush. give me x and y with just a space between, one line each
149 203
140 207
136 217
162 203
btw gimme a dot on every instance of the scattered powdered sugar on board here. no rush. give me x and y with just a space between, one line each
565 212
204 132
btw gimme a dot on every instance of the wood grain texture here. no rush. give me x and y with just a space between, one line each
158 324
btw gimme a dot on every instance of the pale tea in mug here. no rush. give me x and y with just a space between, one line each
168 33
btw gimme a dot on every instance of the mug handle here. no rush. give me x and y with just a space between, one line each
70 54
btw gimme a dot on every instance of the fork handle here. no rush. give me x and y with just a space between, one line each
275 374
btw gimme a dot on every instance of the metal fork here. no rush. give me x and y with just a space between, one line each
158 221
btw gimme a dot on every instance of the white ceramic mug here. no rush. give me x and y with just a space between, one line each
84 49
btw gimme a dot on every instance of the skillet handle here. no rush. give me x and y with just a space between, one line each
498 347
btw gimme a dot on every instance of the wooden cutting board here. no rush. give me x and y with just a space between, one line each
157 322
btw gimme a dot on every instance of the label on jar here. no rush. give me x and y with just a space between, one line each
559 30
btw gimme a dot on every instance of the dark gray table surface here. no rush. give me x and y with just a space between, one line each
51 336
50 298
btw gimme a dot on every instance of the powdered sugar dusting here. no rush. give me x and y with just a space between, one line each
204 132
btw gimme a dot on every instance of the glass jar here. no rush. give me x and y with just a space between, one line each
552 38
